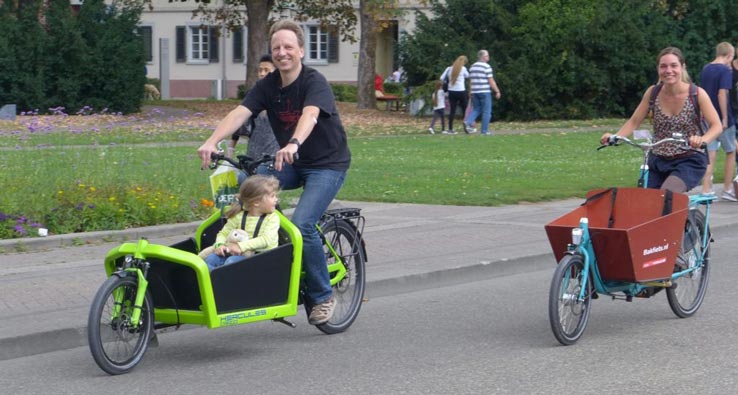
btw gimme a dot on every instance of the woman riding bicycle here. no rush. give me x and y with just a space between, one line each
671 166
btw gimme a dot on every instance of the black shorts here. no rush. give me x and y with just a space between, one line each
690 169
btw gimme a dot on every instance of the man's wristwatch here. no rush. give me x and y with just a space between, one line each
294 141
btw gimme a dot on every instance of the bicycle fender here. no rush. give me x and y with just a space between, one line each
363 243
124 274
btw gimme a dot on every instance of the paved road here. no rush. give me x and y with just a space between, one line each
483 337
45 292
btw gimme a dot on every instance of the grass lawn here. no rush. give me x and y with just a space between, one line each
111 173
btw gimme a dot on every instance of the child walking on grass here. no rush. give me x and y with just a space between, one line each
255 213
439 106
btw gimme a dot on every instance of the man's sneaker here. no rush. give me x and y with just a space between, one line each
431 131
449 132
729 195
468 129
321 313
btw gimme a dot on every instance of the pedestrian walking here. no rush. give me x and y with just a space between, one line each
483 84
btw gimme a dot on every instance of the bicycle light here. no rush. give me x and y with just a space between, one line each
576 236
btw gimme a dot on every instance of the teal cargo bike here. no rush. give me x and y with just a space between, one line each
152 286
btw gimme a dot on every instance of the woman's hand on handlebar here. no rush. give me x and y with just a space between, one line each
605 139
697 142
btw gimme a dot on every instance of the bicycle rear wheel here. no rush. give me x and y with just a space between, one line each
567 314
349 292
116 345
688 291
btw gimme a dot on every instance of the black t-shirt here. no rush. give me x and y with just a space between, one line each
326 147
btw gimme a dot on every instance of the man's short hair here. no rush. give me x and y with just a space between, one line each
481 53
724 49
266 58
284 24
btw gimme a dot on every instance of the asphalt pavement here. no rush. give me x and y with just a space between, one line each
47 284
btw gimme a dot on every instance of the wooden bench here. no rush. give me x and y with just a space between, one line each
390 100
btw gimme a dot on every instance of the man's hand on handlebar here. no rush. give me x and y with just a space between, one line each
205 151
287 154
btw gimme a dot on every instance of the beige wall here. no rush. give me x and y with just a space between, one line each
196 80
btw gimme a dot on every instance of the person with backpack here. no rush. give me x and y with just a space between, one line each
716 78
676 107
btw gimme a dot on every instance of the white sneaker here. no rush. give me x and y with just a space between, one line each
431 131
729 196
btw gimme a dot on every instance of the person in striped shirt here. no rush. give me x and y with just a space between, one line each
482 85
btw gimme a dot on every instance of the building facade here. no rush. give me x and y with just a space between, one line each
199 62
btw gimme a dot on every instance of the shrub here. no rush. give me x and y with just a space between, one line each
393 88
345 92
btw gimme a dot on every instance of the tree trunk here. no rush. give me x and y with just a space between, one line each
367 55
257 12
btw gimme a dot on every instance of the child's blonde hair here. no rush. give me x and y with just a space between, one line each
252 190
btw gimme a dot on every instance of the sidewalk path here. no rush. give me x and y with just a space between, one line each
45 292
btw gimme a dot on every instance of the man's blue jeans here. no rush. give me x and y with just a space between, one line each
481 104
320 186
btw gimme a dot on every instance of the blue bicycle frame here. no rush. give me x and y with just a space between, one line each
585 248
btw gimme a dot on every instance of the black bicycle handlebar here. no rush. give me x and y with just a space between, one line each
244 163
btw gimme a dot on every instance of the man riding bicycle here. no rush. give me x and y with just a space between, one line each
303 115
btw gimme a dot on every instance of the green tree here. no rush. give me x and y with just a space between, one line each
66 53
27 40
115 70
8 64
700 25
552 58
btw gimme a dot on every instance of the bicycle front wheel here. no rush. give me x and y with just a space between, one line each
349 292
567 314
116 345
688 291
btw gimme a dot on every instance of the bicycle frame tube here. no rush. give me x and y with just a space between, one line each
643 177
140 294
337 267
585 248
141 286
